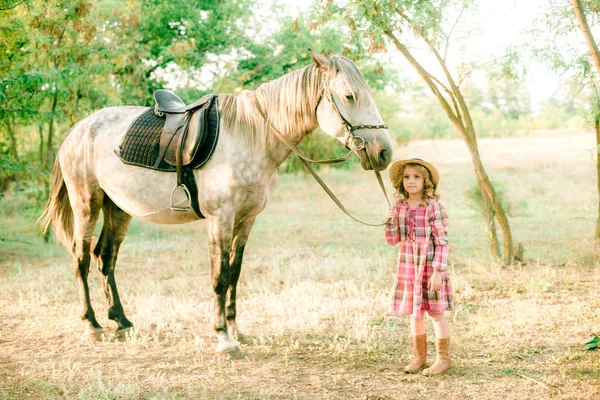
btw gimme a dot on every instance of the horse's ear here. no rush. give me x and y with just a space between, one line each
322 62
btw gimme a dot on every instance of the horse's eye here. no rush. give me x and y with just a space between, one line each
349 96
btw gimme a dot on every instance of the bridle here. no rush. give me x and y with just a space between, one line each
349 139
353 142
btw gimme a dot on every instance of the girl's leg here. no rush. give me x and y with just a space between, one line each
417 326
442 345
440 325
417 329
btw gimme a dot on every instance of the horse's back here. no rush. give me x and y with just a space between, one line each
106 125
112 120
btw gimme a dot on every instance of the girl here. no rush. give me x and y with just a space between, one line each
418 223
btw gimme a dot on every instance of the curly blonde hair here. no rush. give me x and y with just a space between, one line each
429 189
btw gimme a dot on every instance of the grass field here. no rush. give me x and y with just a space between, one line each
314 292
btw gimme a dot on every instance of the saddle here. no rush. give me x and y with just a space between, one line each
177 147
174 137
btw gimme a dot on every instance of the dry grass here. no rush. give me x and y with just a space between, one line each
314 292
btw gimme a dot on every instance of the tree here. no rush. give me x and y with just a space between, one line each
567 22
48 47
400 23
595 55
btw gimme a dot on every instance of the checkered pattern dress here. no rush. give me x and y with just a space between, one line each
423 247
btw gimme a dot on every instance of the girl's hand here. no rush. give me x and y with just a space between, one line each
435 282
390 212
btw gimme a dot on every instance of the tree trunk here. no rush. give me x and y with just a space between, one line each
593 47
498 210
13 140
41 148
587 33
489 214
49 146
15 151
597 126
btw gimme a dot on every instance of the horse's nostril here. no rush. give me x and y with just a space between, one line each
382 155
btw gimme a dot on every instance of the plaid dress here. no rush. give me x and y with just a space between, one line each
423 247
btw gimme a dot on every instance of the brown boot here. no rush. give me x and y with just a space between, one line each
420 345
442 361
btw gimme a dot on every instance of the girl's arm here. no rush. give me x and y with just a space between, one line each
439 222
392 235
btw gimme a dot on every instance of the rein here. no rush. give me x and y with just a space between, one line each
353 142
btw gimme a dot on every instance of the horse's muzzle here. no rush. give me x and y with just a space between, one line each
376 156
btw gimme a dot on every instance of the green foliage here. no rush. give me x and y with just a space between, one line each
559 23
9 166
420 116
592 344
369 20
499 106
391 107
144 37
64 59
287 49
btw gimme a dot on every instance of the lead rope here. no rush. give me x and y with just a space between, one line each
382 186
334 198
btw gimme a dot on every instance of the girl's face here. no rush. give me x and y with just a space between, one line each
413 181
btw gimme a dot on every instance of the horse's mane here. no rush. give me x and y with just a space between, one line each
289 102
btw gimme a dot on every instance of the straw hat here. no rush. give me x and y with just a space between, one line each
398 165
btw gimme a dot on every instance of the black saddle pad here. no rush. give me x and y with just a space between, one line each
140 145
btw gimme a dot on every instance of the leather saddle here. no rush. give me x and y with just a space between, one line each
184 132
177 145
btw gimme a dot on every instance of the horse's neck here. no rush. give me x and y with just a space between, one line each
289 108
280 145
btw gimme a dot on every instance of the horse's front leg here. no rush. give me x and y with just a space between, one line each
241 233
220 237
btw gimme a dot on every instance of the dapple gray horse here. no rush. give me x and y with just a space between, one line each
233 186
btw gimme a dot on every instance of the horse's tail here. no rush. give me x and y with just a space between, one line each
58 211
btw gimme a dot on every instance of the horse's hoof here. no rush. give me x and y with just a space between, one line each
233 353
122 335
94 334
229 348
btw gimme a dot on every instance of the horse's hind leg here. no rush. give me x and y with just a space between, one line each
114 229
240 237
86 207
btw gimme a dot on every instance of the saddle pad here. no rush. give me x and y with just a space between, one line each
140 145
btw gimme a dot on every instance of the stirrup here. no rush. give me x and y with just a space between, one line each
187 194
